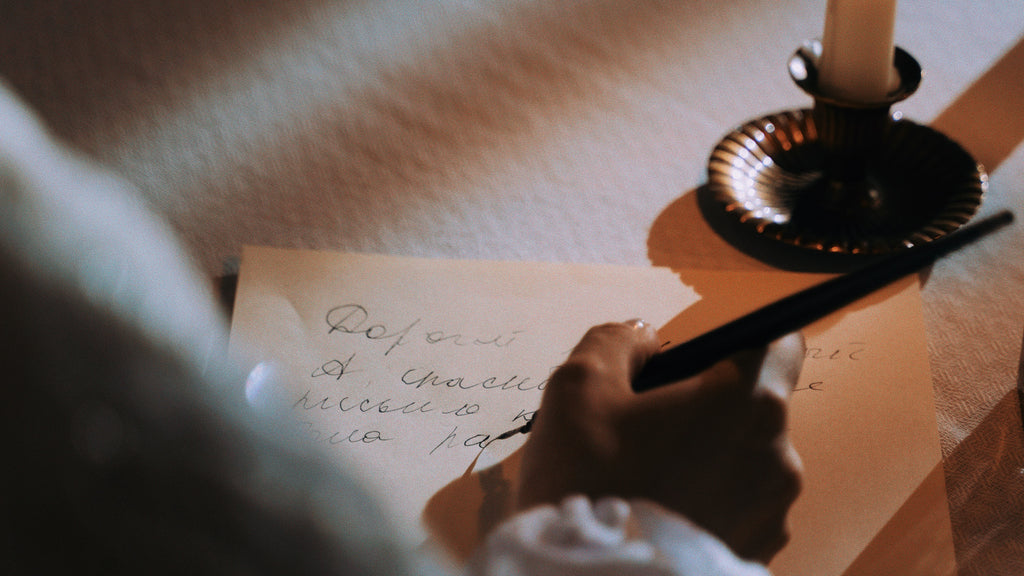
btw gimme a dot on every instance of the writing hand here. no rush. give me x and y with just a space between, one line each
712 447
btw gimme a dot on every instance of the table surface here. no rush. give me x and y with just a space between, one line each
573 131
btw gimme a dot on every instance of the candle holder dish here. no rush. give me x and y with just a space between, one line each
845 177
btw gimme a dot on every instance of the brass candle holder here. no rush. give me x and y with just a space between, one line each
845 177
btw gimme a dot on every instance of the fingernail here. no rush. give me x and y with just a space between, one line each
636 324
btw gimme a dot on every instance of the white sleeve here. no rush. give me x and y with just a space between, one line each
609 537
133 446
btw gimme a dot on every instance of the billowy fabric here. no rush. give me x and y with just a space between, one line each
131 448
610 537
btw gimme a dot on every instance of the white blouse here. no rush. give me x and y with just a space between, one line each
610 537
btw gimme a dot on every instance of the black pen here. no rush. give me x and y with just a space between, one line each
796 311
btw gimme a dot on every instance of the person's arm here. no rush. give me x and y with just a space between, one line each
128 447
131 450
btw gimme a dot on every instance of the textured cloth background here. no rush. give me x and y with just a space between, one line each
569 131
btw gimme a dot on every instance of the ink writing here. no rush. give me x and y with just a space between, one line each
354 436
319 402
335 368
823 356
457 339
425 377
850 351
811 386
453 440
354 319
524 415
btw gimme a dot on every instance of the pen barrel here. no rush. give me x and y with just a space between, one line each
687 360
767 324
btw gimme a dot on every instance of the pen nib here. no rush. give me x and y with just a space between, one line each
524 429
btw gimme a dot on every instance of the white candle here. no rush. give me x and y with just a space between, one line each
857 50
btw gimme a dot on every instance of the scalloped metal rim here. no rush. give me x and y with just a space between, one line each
759 173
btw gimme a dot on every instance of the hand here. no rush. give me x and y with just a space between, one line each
712 447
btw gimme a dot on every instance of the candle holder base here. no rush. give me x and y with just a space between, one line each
845 177
772 176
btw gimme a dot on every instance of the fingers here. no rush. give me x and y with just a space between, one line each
782 470
762 476
574 442
609 356
778 374
768 411
594 379
780 370
764 529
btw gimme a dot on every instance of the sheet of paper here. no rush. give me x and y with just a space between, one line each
404 368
